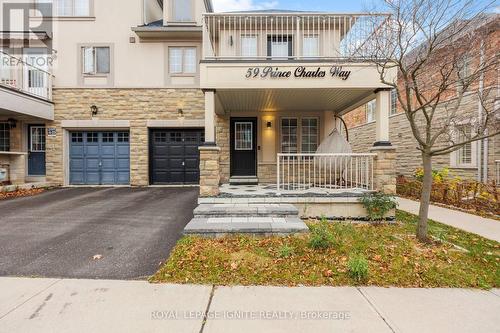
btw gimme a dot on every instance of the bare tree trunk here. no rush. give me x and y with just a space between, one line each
425 198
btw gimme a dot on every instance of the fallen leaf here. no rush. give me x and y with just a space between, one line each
97 257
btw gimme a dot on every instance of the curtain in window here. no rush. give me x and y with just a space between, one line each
182 10
310 46
82 8
249 46
175 60
190 60
102 60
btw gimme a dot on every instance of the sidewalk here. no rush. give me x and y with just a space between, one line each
478 225
54 305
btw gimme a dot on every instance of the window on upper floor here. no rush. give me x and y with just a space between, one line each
182 60
310 46
96 60
4 136
280 46
183 11
70 8
394 101
370 111
249 46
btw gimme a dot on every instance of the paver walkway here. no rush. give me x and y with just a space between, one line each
54 305
487 228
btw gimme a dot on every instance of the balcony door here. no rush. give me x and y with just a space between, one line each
280 47
35 77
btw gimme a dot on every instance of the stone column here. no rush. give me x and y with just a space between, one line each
383 107
384 169
17 169
209 171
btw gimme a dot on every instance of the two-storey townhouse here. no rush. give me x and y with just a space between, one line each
476 161
150 92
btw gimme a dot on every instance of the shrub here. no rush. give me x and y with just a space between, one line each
321 236
438 176
285 251
358 268
377 205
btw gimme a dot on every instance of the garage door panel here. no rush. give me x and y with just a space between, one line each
192 177
175 163
99 158
192 164
176 151
191 150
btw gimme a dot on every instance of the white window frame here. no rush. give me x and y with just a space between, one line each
455 156
184 71
57 3
186 19
394 102
299 132
94 72
316 52
302 134
371 111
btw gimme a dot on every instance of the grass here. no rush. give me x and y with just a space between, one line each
393 255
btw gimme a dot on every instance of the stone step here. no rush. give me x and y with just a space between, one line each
244 180
216 226
246 210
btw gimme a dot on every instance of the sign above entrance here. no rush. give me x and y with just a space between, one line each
301 72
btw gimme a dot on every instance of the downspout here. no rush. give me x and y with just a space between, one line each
484 161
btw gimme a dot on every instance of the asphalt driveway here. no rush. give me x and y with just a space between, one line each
58 233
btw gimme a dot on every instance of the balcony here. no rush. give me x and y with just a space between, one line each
24 89
291 36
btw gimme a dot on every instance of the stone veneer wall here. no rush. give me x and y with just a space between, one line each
408 158
135 105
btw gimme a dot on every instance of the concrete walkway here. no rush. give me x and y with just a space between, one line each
478 225
53 305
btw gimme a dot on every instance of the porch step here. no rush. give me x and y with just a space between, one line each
260 219
246 210
244 180
213 227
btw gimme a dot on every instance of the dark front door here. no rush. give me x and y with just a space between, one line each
243 146
174 156
36 150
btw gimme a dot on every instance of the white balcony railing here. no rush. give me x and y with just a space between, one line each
294 36
17 74
299 172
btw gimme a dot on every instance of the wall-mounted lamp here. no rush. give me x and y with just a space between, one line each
12 123
94 109
180 114
269 125
231 42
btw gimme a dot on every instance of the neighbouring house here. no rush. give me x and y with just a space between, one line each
475 161
146 92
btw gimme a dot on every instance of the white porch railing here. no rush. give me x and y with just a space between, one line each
296 36
18 74
299 172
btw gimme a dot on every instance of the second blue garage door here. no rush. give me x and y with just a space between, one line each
99 158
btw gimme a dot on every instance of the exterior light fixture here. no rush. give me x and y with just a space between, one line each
269 125
94 109
12 123
180 113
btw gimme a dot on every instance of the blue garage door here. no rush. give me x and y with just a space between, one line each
99 158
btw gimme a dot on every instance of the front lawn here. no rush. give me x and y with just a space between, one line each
393 258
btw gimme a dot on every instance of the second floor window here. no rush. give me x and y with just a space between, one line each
182 60
310 46
96 60
370 111
280 46
183 11
249 46
70 7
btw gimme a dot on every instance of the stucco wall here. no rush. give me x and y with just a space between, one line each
135 105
